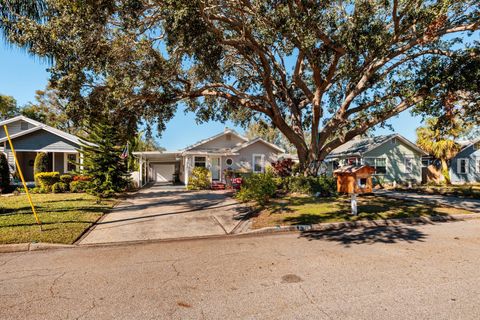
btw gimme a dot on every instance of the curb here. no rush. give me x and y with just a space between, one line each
365 224
23 247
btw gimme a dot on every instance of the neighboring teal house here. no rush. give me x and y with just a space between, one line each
465 167
394 158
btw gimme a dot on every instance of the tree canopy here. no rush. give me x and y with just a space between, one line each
322 72
8 107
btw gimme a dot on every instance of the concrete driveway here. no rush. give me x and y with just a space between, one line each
163 212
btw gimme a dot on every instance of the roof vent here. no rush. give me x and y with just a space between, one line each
228 137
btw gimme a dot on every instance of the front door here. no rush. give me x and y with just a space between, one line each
215 168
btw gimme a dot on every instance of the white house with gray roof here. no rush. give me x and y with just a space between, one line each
395 158
226 150
30 137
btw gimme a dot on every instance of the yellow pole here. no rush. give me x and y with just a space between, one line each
21 177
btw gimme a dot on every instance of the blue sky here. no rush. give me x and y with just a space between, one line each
21 75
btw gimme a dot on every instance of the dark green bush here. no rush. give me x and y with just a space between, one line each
78 186
4 173
199 179
66 178
40 165
258 187
46 180
60 187
325 186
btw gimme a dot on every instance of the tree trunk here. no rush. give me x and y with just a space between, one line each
445 172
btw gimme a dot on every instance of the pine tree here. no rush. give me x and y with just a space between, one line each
102 162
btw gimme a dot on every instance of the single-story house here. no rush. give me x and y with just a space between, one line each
30 137
227 150
465 167
395 159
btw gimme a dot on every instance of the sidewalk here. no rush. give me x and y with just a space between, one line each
457 202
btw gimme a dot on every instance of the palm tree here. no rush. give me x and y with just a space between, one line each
12 10
440 143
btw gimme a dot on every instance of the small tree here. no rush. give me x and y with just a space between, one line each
440 142
102 161
40 165
4 173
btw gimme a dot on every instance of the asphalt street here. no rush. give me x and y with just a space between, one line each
398 272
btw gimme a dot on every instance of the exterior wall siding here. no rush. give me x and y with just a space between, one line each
395 154
16 127
43 141
472 175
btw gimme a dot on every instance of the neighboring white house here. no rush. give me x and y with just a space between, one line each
226 150
30 137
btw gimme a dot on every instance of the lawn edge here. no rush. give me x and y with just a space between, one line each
365 223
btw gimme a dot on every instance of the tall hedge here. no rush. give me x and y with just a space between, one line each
4 172
40 165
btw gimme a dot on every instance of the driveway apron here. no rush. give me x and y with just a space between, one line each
160 212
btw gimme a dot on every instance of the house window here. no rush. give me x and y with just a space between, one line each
258 163
23 125
409 161
380 164
352 161
229 161
462 166
200 162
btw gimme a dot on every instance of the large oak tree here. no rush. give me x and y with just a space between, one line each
322 72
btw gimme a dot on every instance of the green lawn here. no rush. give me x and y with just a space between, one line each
310 210
64 217
468 191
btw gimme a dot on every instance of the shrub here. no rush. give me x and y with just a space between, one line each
4 173
325 186
78 186
199 179
258 187
66 178
283 168
60 187
40 165
46 180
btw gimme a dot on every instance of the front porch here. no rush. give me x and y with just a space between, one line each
62 162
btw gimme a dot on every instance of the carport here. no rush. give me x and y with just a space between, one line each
158 167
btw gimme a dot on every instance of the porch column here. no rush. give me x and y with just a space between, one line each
140 173
53 162
185 168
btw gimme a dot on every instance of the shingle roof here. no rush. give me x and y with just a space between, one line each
358 147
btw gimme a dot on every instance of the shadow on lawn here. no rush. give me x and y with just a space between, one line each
381 234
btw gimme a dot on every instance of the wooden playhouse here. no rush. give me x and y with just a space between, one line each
354 179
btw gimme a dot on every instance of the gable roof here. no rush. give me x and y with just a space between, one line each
38 126
225 132
248 143
358 147
471 143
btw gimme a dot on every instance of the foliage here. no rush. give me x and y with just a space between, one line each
46 180
102 163
66 178
8 107
323 185
40 165
352 65
4 173
81 178
199 179
259 187
439 142
78 186
60 187
50 109
142 141
283 168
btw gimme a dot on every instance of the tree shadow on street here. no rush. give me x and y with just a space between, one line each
381 234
